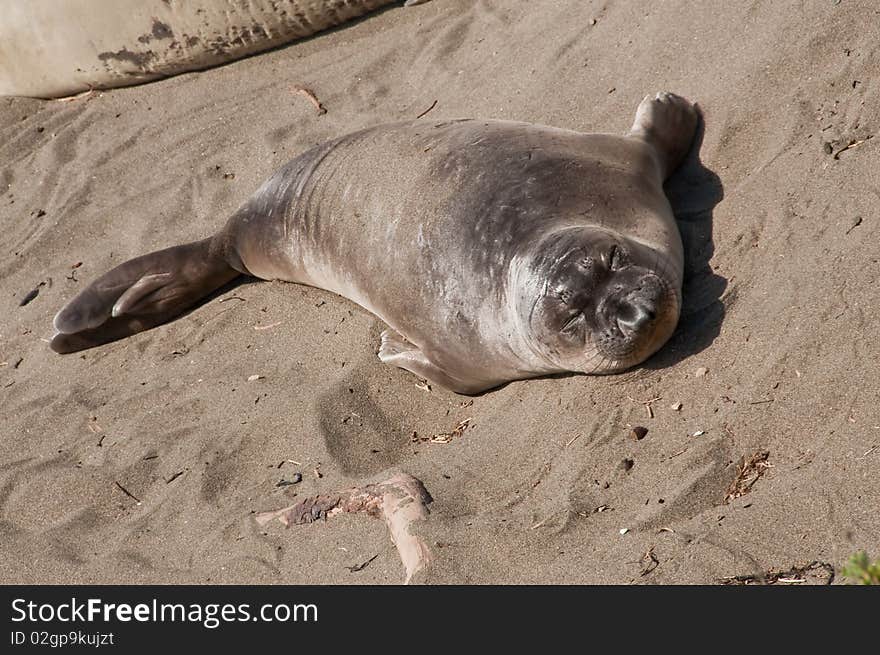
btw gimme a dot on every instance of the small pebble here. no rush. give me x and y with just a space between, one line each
698 433
296 478
254 378
675 407
624 530
701 372
639 432
29 297
827 148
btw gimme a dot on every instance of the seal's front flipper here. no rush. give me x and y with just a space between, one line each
140 294
668 122
394 346
396 350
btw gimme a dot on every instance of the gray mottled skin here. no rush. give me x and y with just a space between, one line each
448 231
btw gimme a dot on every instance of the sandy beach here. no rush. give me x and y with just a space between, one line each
146 460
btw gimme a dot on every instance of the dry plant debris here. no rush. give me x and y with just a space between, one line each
854 143
443 437
794 575
649 562
309 94
362 565
649 411
433 104
750 470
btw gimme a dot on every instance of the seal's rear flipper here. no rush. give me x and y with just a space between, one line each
140 294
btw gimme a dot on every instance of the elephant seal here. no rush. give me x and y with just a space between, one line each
494 250
50 48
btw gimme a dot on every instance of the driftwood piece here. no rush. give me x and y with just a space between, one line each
399 501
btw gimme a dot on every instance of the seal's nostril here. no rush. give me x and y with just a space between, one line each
634 316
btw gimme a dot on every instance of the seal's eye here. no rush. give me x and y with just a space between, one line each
573 323
616 258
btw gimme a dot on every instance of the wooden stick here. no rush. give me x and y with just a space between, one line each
399 501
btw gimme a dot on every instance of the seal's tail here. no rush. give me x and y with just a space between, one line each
140 294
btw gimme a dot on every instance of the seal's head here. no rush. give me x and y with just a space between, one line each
595 302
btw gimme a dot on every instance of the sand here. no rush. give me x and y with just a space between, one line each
547 483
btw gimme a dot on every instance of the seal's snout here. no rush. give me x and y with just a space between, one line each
634 315
639 304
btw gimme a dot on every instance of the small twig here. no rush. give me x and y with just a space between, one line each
649 562
647 403
174 477
399 501
572 440
674 455
78 96
311 96
127 492
211 318
541 522
433 104
856 223
267 327
852 144
232 298
361 567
